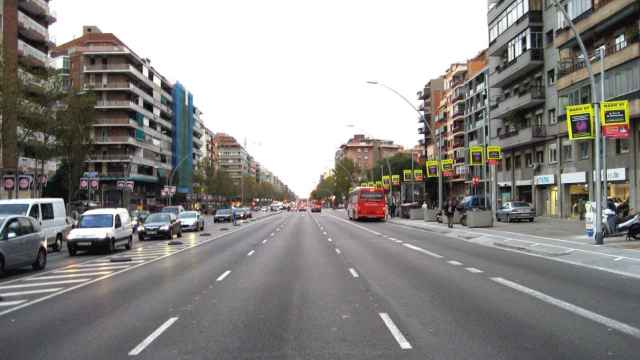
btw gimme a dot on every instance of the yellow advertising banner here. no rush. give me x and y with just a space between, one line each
614 113
580 122
476 155
378 184
395 180
446 165
417 175
386 181
408 175
494 152
432 168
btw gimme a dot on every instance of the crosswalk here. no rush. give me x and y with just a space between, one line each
28 290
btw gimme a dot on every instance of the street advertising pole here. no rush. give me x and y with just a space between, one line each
605 186
599 233
413 181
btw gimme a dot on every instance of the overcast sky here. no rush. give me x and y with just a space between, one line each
289 76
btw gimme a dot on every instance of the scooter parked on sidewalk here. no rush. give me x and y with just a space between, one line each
620 226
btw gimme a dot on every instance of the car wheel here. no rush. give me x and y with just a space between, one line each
508 219
57 246
129 243
530 219
41 260
1 265
72 250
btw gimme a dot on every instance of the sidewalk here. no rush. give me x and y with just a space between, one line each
559 239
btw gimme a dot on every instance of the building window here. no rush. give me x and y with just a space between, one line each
622 146
528 159
551 114
507 164
553 154
584 150
551 77
508 18
585 94
548 38
359 150
567 152
516 162
366 150
621 42
524 41
540 157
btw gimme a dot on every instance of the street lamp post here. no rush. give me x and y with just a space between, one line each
599 234
431 131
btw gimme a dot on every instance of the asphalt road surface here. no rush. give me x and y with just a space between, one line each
317 286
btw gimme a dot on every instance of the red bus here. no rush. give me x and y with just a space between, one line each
367 203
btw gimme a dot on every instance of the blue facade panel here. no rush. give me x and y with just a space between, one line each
182 147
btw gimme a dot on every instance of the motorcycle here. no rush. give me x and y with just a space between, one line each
614 225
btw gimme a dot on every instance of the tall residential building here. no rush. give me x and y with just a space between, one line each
616 26
25 39
208 153
146 127
429 97
365 151
233 158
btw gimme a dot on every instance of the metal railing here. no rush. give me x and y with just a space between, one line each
28 50
32 25
569 66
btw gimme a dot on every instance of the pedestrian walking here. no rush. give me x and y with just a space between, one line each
234 216
450 211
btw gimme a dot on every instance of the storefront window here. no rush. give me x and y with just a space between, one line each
622 146
584 150
578 197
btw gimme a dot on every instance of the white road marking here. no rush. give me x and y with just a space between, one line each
265 241
98 268
454 263
421 250
224 275
474 270
272 234
329 240
50 283
30 292
138 349
618 258
399 241
338 251
103 264
324 233
393 239
354 273
608 322
397 334
68 276
11 303
251 252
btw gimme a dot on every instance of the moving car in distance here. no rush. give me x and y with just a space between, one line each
22 243
101 228
222 215
515 210
367 203
191 220
316 207
176 210
50 214
161 225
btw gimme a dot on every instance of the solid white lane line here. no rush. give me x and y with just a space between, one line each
99 268
454 263
338 251
138 349
393 239
30 292
397 334
421 250
68 276
354 273
329 240
399 241
608 322
11 303
474 270
224 275
50 283
251 252
103 263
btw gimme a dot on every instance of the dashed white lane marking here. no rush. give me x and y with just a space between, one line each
272 235
354 273
454 263
338 251
11 303
224 275
42 284
329 240
393 239
398 241
474 270
265 241
68 276
397 334
324 233
421 250
608 322
30 292
618 258
138 349
251 252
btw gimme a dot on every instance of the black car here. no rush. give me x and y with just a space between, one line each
160 226
222 215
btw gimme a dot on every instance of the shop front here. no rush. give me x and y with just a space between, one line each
546 195
576 194
523 191
504 192
618 188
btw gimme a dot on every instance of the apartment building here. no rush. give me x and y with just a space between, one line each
148 129
365 151
614 25
429 101
233 158
25 39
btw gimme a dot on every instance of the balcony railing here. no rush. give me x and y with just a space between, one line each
536 54
27 50
566 67
33 26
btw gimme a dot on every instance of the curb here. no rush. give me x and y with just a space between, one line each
529 250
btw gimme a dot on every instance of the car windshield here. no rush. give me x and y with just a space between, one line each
171 209
519 204
223 212
14 209
158 218
95 221
188 215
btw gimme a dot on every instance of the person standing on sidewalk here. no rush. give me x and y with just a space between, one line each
450 211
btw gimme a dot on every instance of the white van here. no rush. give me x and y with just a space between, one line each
49 212
103 228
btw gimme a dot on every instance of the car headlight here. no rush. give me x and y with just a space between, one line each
164 227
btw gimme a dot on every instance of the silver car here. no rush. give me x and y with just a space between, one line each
22 243
515 210
191 220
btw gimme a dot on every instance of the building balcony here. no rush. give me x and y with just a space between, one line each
31 29
130 105
119 68
420 95
39 8
513 137
111 157
499 44
421 107
574 70
510 72
116 122
31 55
113 140
535 96
421 130
458 112
605 15
457 128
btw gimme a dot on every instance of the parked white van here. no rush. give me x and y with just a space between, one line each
101 228
49 212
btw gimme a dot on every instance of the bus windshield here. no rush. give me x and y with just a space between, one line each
371 196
